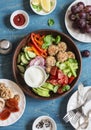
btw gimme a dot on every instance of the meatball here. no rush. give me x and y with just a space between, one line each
62 56
50 61
62 46
71 54
52 50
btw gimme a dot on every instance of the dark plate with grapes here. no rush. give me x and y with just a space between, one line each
78 20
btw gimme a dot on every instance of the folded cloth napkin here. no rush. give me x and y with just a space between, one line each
84 122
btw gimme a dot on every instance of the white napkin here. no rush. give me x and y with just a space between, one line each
82 96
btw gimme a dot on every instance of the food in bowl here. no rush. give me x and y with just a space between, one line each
35 76
44 122
9 102
56 54
80 16
19 19
43 7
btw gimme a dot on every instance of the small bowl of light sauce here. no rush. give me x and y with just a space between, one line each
44 123
35 76
19 19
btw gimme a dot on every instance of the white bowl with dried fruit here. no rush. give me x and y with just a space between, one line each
43 7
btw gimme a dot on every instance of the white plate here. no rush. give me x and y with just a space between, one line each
22 103
72 103
75 33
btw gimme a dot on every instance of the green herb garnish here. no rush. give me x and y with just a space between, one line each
50 22
58 39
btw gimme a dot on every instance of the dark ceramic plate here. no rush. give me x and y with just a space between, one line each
20 81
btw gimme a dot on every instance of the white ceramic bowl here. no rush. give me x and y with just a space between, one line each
42 12
19 12
41 118
35 76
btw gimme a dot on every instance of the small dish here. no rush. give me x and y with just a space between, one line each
40 10
22 103
33 80
72 104
73 32
44 120
19 19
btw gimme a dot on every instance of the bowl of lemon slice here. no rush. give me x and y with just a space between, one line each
43 7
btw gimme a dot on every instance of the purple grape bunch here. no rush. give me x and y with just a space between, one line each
81 17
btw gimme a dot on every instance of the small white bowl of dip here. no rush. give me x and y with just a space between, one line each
35 76
19 19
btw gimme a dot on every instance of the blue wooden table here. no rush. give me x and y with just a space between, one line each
34 108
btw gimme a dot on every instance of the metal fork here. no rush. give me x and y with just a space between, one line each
74 114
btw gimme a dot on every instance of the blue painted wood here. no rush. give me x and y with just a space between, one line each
34 108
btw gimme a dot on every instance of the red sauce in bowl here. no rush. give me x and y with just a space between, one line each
19 19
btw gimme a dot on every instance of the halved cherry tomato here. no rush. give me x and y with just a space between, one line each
60 91
60 74
71 79
53 81
53 71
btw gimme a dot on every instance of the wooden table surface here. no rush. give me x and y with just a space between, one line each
35 108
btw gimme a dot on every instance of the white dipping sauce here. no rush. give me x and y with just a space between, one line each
35 76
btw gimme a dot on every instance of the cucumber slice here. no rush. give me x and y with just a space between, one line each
21 68
31 54
19 58
24 60
27 56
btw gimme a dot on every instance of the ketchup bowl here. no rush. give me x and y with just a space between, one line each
19 19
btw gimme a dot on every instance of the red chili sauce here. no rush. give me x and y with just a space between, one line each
19 19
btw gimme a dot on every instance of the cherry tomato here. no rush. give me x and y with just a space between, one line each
53 71
53 81
71 79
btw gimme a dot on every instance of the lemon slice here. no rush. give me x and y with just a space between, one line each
46 5
35 2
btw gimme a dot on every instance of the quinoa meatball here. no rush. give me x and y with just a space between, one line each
62 56
50 61
71 54
52 50
62 46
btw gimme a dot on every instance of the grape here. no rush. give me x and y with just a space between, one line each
88 28
75 9
74 25
83 30
88 16
87 8
72 17
81 23
85 53
81 5
82 15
